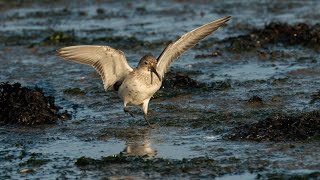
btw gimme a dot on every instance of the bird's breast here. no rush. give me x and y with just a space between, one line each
138 86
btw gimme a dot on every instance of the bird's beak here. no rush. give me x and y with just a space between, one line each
155 71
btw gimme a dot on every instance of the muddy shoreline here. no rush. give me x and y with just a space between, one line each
243 103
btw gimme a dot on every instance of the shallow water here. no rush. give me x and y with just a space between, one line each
189 125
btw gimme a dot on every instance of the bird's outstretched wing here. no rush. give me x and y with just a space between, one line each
188 40
109 62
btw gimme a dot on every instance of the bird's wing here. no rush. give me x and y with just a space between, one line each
188 40
109 62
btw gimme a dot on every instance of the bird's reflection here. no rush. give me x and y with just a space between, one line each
139 144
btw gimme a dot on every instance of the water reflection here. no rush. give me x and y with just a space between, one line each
139 144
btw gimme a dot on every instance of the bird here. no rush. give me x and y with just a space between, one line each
136 86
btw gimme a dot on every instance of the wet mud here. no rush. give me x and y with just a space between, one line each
242 104
201 167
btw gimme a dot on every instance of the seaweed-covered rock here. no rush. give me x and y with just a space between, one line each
176 84
273 33
181 80
21 105
280 128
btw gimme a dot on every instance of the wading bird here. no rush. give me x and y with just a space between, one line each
136 86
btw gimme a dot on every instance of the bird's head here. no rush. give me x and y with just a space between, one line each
149 62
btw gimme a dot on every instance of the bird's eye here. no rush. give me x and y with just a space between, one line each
145 63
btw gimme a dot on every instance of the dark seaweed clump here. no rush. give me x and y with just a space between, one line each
273 33
315 97
280 128
181 80
59 37
21 105
176 84
255 100
180 84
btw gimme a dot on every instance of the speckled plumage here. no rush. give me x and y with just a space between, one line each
139 86
136 86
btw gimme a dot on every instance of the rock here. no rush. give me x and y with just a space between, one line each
21 105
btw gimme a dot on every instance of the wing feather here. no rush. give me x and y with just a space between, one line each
110 63
188 40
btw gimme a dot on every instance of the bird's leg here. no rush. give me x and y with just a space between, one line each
146 119
149 124
145 111
125 109
129 112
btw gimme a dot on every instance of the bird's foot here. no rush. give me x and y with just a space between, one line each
129 112
152 126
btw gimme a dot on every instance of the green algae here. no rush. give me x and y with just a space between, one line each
74 91
59 37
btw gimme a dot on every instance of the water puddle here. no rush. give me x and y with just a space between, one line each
74 148
247 176
255 71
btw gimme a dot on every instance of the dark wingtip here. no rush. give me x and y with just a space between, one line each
224 20
227 18
58 51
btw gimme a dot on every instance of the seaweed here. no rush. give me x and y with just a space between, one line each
21 105
280 128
